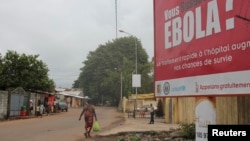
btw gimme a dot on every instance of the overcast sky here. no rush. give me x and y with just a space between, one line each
63 32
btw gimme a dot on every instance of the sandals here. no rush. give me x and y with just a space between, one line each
89 135
85 134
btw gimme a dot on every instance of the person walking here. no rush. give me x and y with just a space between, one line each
89 114
47 108
31 107
152 114
37 110
41 108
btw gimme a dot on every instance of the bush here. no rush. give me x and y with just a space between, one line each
134 138
188 130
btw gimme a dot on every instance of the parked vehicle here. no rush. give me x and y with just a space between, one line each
62 106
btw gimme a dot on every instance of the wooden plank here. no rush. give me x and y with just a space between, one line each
244 110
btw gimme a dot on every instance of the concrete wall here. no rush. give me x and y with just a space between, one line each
3 104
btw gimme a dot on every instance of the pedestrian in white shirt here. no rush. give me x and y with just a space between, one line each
152 114
41 110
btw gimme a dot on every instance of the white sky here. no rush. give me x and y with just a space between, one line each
63 32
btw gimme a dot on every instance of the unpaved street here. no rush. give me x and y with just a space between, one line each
63 126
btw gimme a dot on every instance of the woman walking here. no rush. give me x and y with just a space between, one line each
89 114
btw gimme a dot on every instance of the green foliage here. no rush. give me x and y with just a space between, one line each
159 111
134 137
130 137
188 130
100 77
21 70
152 133
120 138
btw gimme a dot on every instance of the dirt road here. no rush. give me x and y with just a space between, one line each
63 126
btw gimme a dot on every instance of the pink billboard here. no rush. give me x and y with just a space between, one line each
202 47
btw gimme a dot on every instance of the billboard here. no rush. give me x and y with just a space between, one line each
202 47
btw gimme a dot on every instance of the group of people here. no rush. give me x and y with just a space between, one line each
40 108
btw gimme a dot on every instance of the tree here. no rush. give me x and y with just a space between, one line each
21 70
100 76
159 111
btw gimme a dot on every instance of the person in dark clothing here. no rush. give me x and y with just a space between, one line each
152 114
47 108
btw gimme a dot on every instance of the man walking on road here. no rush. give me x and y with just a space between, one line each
89 114
152 114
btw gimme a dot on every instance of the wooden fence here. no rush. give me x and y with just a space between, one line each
229 109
